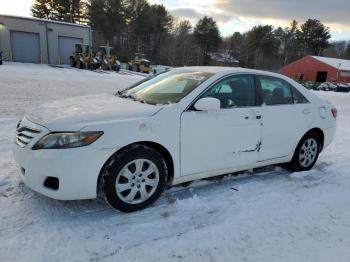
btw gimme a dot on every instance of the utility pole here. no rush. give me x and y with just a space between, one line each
339 65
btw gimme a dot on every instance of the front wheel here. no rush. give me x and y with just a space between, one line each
135 180
306 153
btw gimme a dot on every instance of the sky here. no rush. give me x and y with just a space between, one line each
240 15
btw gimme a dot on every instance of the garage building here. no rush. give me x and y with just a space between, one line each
32 40
318 69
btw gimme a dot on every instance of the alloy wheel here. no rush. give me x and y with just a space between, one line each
137 181
308 152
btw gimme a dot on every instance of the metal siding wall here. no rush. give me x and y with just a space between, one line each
61 30
25 47
67 47
49 47
21 25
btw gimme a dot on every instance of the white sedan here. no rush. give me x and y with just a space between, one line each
185 124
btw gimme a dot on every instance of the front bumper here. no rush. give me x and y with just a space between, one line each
76 169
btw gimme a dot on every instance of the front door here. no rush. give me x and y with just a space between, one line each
225 139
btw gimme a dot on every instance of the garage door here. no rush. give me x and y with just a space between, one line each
25 47
67 47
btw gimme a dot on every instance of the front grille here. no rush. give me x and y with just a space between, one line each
25 134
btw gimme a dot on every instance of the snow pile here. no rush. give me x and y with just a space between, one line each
271 216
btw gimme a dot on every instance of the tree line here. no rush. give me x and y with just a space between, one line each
132 26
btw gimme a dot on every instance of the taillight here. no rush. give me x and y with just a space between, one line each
334 112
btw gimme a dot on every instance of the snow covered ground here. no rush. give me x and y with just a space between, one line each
268 216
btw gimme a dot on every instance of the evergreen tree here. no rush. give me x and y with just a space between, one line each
237 47
347 51
42 9
107 16
314 35
73 11
263 47
207 35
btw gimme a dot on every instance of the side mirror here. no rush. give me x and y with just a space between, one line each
207 104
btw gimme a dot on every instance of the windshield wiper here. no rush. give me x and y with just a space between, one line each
124 95
130 96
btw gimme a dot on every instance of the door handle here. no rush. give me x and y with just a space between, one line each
257 114
306 111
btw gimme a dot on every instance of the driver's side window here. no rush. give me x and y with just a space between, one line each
234 91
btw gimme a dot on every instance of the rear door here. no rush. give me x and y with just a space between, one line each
286 116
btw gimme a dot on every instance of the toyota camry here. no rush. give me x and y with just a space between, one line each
184 124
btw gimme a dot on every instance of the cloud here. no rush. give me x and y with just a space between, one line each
186 13
240 15
328 11
193 15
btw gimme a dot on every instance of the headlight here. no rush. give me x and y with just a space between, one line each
61 140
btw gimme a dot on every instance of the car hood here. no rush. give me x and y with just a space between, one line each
75 113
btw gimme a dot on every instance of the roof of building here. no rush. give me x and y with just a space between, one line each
43 20
341 64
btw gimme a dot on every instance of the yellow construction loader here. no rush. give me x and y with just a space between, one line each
107 59
82 57
140 64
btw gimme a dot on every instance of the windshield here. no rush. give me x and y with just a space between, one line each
166 88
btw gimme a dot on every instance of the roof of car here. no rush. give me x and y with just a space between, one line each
221 69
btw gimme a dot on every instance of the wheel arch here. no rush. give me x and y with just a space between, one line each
156 146
314 131
318 132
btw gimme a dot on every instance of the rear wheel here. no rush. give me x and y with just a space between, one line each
135 180
306 153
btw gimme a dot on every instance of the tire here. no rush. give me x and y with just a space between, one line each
73 63
125 184
306 153
80 65
105 66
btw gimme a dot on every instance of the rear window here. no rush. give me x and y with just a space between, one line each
279 92
275 91
298 97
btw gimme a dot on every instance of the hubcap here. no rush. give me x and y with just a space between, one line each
308 152
137 181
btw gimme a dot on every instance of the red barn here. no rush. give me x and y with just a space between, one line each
318 69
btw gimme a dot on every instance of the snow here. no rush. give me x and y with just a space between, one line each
270 215
342 64
75 112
